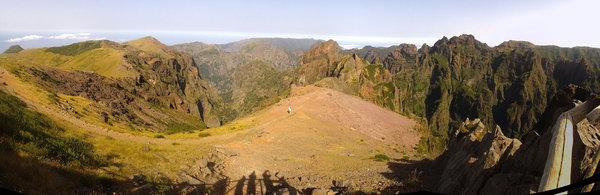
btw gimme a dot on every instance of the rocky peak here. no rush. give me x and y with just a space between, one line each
408 49
326 49
516 44
151 44
424 49
13 49
318 63
376 60
467 42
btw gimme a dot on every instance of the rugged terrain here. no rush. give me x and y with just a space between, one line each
491 163
227 67
508 85
108 125
139 117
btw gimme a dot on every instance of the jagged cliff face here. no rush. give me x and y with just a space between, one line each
249 75
172 79
460 77
318 63
217 65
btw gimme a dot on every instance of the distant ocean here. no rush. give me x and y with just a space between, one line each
52 39
33 39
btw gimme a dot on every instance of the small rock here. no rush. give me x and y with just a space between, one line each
145 189
321 192
341 183
184 167
202 162
230 153
137 179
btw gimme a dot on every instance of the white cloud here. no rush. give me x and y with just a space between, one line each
71 36
25 38
78 36
350 46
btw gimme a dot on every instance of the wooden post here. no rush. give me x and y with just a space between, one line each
557 171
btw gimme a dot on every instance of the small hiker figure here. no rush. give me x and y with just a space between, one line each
289 110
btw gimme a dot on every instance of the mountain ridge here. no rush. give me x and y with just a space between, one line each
438 86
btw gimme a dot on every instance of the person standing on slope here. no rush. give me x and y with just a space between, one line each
289 110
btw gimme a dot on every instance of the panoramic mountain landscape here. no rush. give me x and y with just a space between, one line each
289 116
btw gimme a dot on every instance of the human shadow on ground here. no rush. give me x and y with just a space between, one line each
253 185
411 176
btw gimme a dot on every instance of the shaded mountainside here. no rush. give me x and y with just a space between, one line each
286 43
508 85
257 85
220 68
135 82
491 163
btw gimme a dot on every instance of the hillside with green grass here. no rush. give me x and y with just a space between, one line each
28 136
257 85
133 82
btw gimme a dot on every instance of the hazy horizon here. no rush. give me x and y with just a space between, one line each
350 23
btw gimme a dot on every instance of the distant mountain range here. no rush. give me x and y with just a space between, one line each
286 43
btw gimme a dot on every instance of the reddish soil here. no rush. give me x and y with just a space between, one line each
328 136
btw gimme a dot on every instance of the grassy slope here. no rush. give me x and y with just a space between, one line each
111 65
149 44
26 168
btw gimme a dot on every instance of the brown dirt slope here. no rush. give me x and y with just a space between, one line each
328 136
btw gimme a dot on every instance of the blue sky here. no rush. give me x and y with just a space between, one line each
359 23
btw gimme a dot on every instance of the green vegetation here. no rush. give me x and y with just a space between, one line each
53 97
36 148
161 184
203 134
372 71
381 157
262 85
179 127
75 48
211 51
441 60
159 136
35 134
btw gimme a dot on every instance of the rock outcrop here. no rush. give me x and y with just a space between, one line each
318 63
483 161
